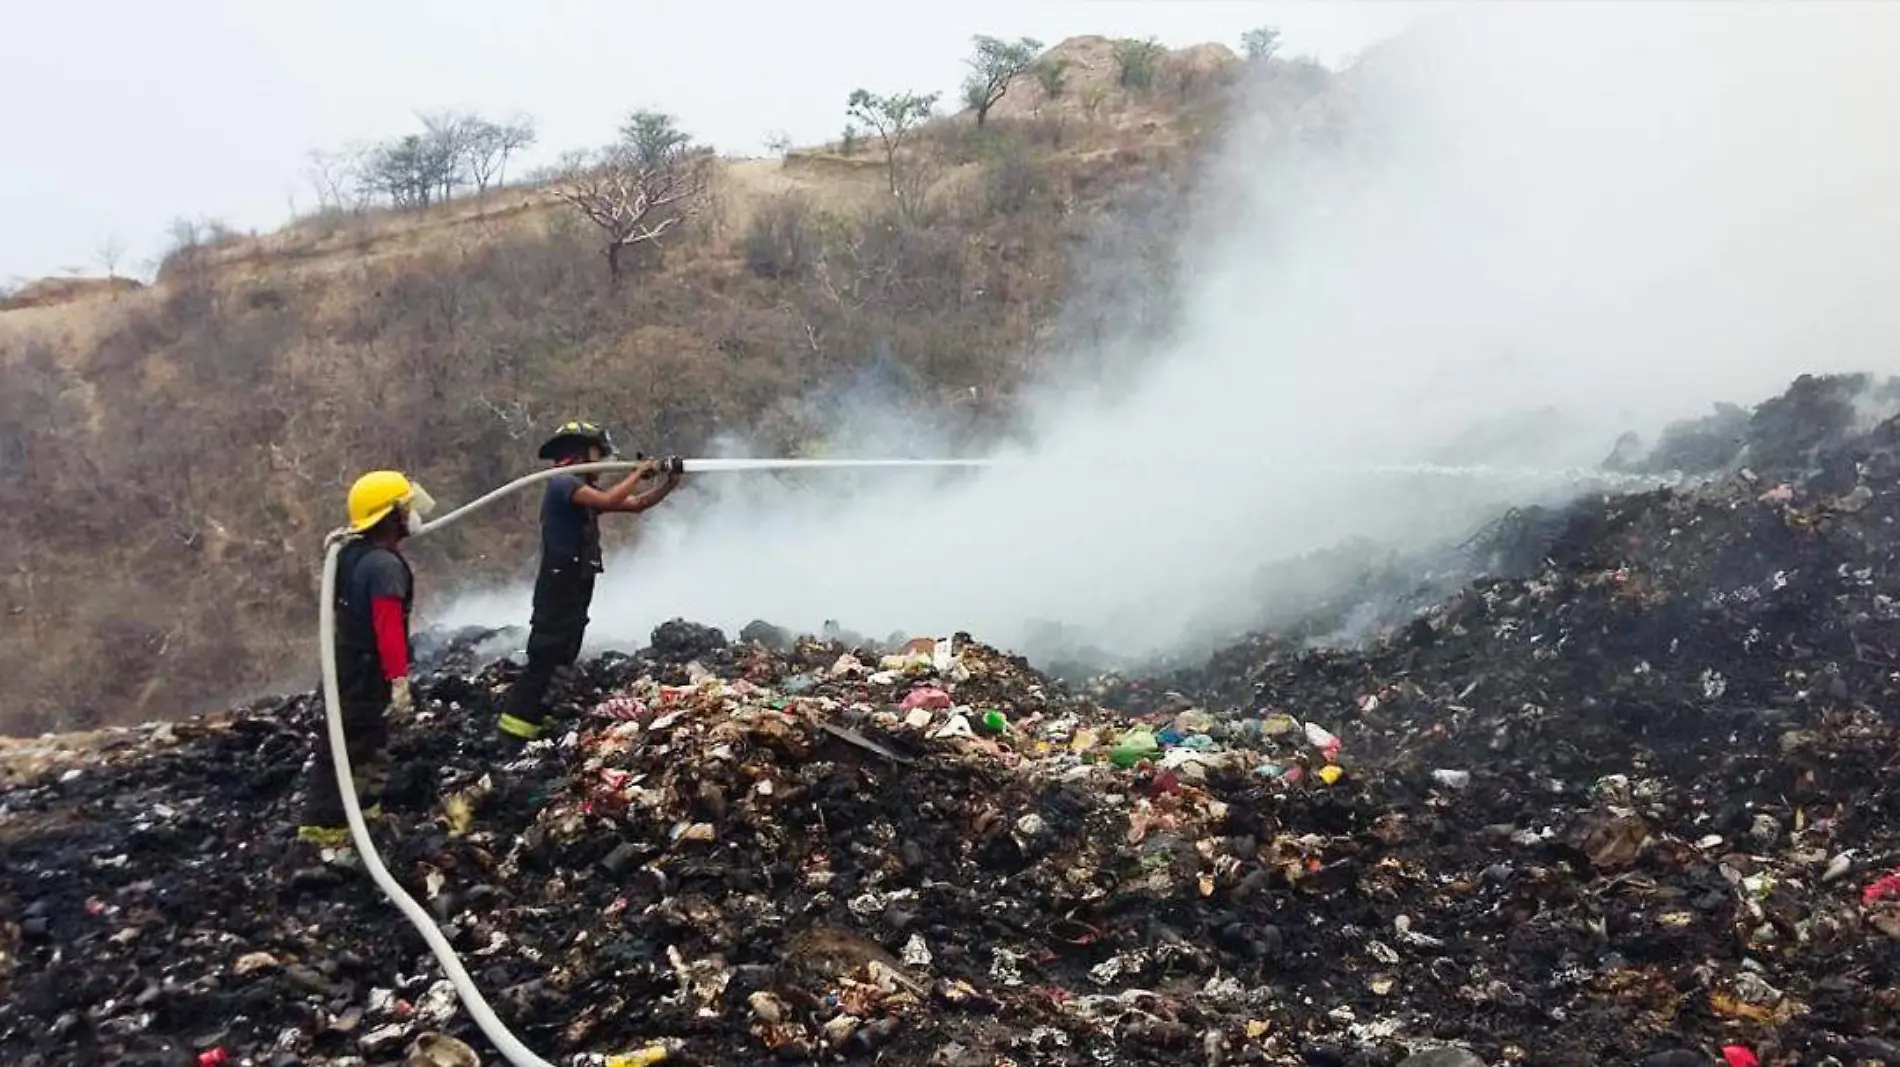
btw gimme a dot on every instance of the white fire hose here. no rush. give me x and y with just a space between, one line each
497 1032
491 1026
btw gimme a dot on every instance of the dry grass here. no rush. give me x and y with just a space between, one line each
181 448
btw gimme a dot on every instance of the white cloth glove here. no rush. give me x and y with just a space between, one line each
402 704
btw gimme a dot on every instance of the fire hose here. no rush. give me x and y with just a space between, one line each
491 1026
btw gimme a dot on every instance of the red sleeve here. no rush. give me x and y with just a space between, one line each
385 614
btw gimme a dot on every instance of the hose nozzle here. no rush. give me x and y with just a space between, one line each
667 464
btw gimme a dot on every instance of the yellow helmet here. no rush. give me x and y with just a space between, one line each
378 493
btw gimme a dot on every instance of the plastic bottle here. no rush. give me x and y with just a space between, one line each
1321 738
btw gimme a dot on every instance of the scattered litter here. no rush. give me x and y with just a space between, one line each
1618 794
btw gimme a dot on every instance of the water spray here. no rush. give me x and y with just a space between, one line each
1486 472
708 466
498 1034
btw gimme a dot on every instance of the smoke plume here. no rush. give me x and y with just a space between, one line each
1535 227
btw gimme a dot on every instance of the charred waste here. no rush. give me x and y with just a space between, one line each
1613 783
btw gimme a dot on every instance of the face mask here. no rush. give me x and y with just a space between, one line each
417 513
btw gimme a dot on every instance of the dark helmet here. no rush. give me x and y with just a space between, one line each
575 436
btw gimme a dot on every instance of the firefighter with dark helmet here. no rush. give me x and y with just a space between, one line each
375 597
570 560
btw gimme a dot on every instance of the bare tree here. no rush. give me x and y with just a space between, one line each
446 140
481 153
453 151
487 145
893 118
515 135
420 169
637 190
185 234
915 180
111 251
184 261
336 176
994 66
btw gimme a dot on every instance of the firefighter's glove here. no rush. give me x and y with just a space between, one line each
402 703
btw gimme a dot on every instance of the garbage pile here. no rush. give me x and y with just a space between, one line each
1636 801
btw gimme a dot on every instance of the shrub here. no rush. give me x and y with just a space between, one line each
1053 76
1135 62
779 242
1010 184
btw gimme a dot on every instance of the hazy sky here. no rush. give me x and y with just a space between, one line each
125 114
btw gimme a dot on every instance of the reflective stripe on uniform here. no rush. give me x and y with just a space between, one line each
518 727
336 836
324 836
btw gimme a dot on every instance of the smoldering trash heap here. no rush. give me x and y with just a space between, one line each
1625 794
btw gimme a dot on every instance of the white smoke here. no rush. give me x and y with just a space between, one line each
1546 225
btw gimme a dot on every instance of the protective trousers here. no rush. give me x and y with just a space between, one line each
562 595
366 739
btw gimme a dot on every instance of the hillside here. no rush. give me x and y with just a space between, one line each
176 451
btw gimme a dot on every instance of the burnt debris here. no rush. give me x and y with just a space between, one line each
1630 799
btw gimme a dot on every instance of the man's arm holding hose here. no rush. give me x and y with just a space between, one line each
588 496
657 493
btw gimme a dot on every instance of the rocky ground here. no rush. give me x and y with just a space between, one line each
1632 796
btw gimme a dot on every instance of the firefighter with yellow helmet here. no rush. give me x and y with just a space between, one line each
375 596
